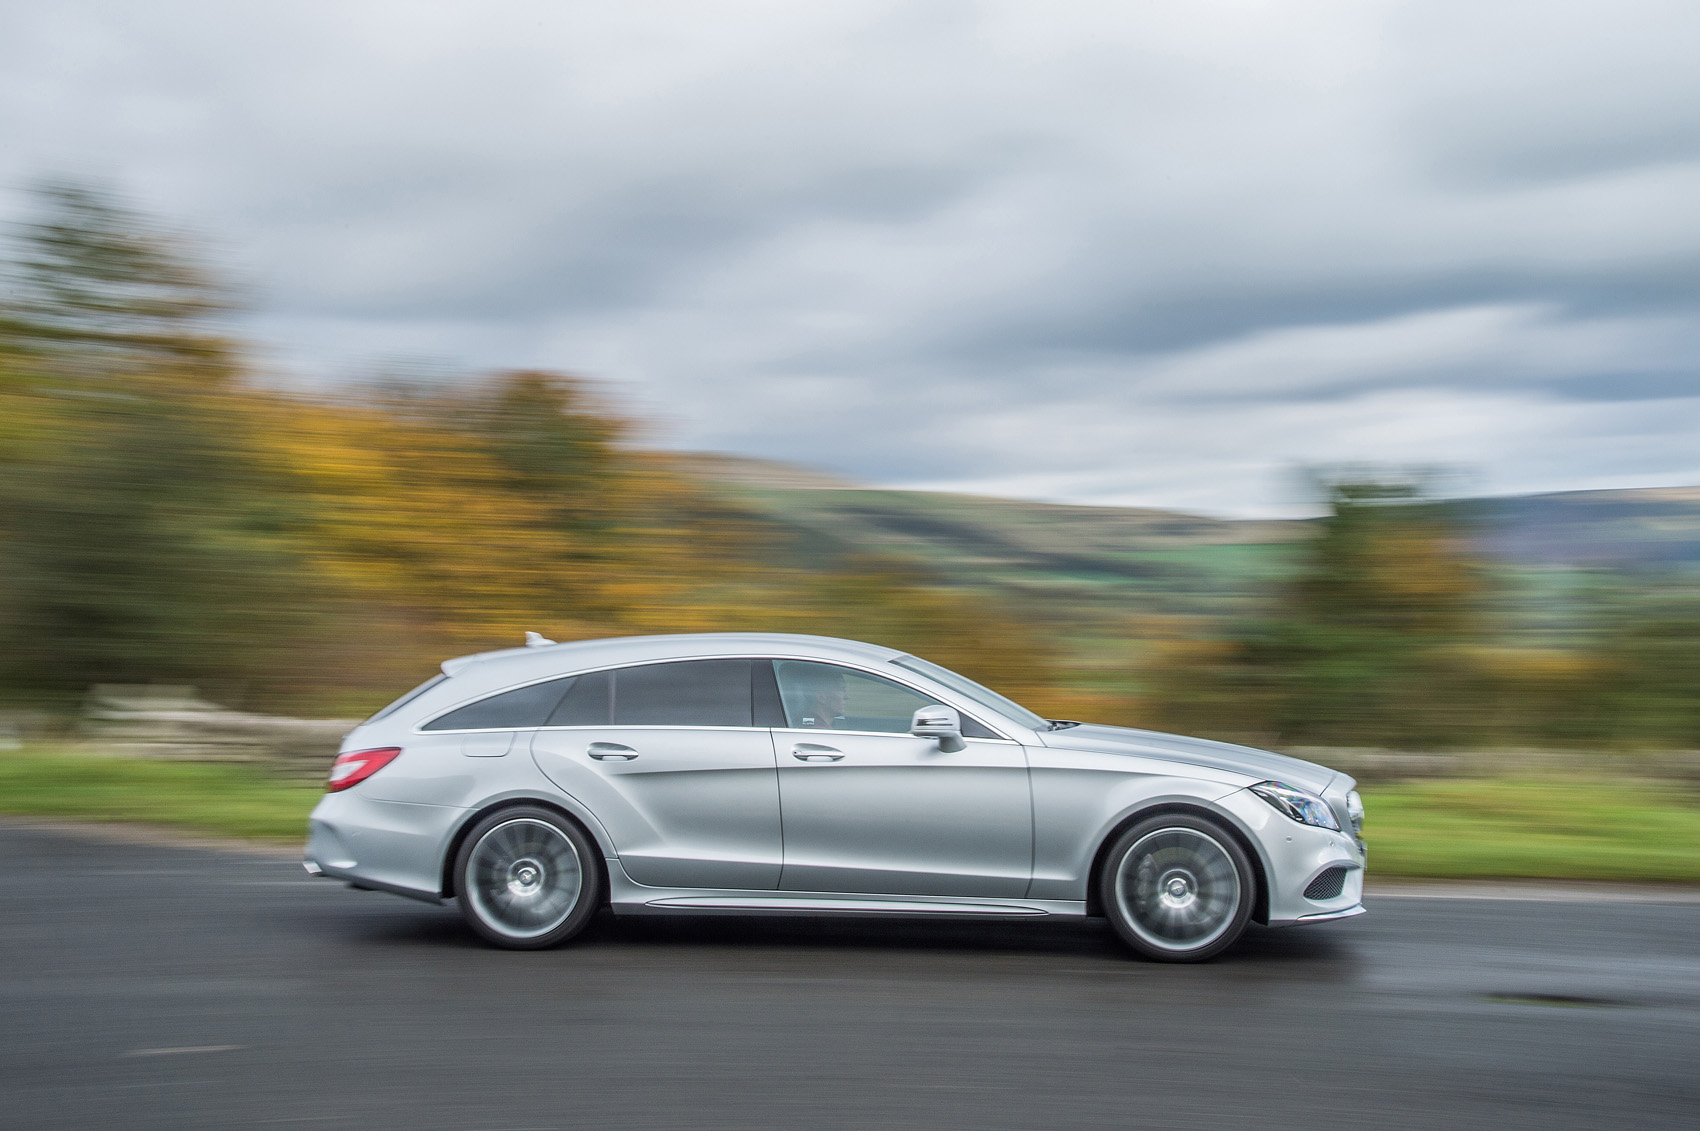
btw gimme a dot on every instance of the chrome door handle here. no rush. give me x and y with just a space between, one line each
809 752
611 752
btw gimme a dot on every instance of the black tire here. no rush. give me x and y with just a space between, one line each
527 878
1177 888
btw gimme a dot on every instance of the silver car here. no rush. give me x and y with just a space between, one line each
767 773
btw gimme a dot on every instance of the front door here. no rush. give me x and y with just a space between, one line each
667 758
868 808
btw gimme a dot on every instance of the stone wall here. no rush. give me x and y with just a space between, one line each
173 724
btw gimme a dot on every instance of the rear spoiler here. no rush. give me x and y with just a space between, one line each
460 663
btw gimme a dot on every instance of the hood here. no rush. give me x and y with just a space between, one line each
1260 764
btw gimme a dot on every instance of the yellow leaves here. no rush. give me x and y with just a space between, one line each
424 525
413 515
1415 565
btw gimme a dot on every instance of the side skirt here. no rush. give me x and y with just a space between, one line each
628 898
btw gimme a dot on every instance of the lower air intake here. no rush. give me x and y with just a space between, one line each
1327 885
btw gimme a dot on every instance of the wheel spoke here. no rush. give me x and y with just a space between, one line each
1178 888
525 877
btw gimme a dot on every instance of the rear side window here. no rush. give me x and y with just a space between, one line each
521 707
701 693
588 703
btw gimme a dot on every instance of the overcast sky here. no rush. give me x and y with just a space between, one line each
1134 253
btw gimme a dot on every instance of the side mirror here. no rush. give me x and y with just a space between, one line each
942 723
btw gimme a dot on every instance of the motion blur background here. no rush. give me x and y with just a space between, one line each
1314 375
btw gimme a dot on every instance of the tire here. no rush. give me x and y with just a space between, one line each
527 878
1177 888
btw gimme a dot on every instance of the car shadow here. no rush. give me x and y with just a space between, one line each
1326 952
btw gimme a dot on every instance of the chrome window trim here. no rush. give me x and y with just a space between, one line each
976 716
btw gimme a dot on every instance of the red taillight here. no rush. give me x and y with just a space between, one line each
358 765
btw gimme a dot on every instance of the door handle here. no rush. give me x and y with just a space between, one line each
809 752
611 752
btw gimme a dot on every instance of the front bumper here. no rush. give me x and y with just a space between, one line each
1321 917
1295 857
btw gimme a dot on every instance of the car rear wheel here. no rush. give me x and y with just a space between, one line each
527 878
1177 888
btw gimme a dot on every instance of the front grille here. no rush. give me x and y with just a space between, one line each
1327 885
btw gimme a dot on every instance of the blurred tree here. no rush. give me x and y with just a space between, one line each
164 518
1367 640
551 440
100 291
1649 653
129 544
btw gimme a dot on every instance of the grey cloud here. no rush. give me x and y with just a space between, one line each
1527 91
1132 253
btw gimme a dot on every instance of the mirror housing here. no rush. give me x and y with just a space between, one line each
940 722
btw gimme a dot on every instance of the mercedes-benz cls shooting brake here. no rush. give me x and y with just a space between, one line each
772 773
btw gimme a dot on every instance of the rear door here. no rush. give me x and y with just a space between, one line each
869 808
667 757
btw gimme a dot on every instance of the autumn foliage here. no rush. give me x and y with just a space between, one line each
168 516
165 516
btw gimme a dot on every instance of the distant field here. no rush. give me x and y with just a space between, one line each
1479 828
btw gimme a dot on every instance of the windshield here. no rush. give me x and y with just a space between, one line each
964 686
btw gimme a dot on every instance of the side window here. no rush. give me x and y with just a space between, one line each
521 707
704 693
828 697
589 702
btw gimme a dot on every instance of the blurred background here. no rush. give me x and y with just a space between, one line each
1316 376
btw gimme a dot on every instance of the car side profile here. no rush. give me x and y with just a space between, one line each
774 773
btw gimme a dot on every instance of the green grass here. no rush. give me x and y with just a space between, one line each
1569 829
227 800
1477 828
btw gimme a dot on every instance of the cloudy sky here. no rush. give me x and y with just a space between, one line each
1149 253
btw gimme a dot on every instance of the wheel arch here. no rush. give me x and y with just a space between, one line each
446 879
1260 902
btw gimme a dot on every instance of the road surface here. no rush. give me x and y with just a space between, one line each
151 986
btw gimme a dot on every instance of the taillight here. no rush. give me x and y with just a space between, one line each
358 765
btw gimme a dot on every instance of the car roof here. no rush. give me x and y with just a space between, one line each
580 655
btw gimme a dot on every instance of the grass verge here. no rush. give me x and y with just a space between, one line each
1480 828
1555 829
227 800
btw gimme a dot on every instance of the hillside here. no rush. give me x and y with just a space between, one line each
1072 560
1094 561
1650 526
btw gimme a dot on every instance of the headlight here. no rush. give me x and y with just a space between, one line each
1355 810
1301 805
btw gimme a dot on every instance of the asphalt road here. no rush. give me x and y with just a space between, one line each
160 987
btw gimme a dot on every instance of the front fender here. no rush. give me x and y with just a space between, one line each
1081 797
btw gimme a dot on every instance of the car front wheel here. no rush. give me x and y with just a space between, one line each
1177 888
527 878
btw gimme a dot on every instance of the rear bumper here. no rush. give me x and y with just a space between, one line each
380 845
